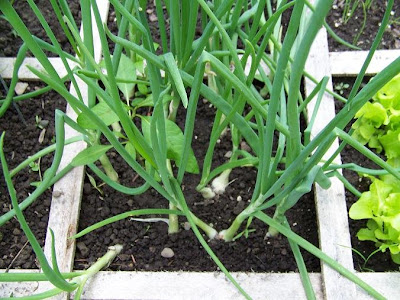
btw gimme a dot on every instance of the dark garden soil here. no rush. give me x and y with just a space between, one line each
21 141
144 242
380 261
349 30
10 42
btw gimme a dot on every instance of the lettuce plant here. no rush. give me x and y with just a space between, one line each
381 206
378 122
378 125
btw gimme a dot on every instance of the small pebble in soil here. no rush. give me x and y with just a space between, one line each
20 88
16 231
228 154
167 253
83 249
186 226
244 146
153 17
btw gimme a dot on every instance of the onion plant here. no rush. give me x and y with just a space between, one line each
139 73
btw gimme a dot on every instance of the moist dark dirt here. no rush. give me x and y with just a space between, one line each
143 242
350 29
9 40
21 141
380 261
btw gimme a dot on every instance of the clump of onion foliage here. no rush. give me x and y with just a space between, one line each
138 73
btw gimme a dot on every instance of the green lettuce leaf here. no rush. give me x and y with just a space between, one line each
368 206
374 113
391 143
389 94
378 125
396 258
394 119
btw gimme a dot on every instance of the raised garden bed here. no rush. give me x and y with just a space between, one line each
147 285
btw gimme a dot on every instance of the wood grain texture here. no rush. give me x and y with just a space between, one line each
331 203
178 285
349 63
197 286
67 192
7 67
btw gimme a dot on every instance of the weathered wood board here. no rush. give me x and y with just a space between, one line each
349 63
330 204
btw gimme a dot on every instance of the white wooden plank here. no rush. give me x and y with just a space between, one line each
185 285
65 205
191 285
7 66
330 204
18 289
349 63
385 283
182 285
